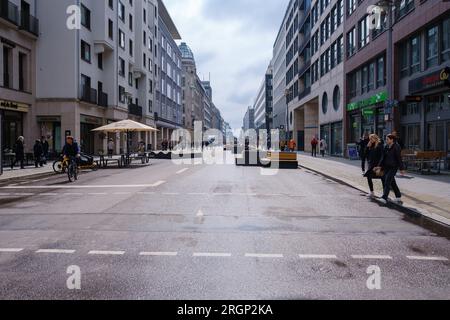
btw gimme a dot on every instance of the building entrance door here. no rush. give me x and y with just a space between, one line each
301 140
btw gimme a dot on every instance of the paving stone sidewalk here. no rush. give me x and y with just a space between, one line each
429 194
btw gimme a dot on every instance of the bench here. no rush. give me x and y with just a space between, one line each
425 160
285 160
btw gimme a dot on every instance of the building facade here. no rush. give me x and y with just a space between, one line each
19 32
419 107
263 105
315 73
110 75
279 80
249 120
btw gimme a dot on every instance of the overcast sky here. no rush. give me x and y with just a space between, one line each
232 40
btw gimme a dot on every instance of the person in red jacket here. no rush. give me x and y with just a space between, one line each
314 144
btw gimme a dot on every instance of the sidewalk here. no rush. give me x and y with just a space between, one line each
28 172
430 195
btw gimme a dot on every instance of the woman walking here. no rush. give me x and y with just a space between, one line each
391 163
374 154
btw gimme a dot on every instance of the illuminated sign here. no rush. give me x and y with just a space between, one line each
431 81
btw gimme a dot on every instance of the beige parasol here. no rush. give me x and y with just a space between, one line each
126 126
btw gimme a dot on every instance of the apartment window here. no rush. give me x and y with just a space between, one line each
121 67
121 39
352 85
371 77
363 29
131 47
111 4
403 7
100 61
150 106
121 11
446 40
340 49
85 51
144 14
381 76
364 79
22 71
432 47
130 22
415 54
130 79
403 55
111 29
351 42
351 6
85 17
121 94
7 67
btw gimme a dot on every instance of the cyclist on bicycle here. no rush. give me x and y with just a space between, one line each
71 149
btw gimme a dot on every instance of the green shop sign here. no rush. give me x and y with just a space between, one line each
373 100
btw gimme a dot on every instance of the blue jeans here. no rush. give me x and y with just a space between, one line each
390 182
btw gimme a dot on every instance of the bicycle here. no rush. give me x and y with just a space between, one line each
72 169
60 165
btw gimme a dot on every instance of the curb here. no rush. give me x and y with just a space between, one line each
412 211
30 176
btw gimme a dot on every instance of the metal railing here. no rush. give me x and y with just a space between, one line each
88 95
102 99
9 11
29 23
135 110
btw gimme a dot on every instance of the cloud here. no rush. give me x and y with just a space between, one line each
233 40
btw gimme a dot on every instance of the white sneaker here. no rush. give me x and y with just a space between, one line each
398 201
371 195
383 201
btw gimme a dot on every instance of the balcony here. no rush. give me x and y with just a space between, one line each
135 110
9 11
103 99
29 23
303 94
88 95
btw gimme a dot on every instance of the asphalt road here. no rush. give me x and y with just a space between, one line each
169 231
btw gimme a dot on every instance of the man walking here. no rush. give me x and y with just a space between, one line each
45 149
314 144
19 153
38 151
391 162
323 147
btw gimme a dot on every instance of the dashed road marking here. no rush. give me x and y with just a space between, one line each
131 186
159 254
372 257
211 255
182 171
106 253
317 256
122 193
56 251
263 255
98 194
12 250
48 194
418 258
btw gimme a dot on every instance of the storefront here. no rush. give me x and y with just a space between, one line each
12 122
333 135
425 113
367 116
50 128
91 142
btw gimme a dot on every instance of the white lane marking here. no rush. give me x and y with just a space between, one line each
23 194
4 194
130 186
263 255
12 250
200 213
317 256
55 251
182 171
106 253
372 257
122 193
157 184
98 194
212 255
170 194
197 193
147 193
159 254
427 258
72 194
48 194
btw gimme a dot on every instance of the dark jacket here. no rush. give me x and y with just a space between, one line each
71 150
19 150
45 147
363 147
374 156
38 150
392 158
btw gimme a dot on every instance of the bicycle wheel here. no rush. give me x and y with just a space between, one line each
58 167
70 172
75 172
